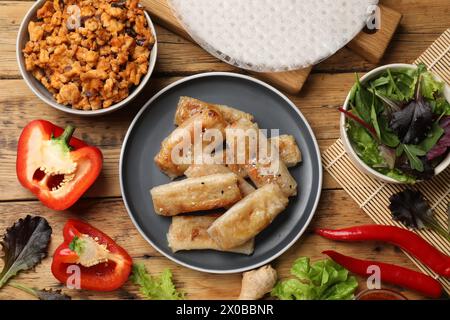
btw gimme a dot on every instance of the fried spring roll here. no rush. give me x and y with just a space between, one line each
248 217
208 120
187 107
190 233
289 151
197 170
220 157
196 194
269 171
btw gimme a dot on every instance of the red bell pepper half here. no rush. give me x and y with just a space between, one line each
53 165
104 265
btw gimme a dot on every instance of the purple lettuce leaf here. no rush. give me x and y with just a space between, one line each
444 142
413 122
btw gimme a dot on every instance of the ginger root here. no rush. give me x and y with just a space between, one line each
256 283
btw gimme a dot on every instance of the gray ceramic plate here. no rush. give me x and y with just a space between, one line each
272 110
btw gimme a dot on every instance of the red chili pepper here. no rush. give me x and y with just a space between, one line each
104 265
405 239
390 273
53 165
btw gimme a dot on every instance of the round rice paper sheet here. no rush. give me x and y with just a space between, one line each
273 35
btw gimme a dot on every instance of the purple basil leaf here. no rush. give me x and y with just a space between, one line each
410 208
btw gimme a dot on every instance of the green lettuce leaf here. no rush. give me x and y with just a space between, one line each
430 88
342 291
433 92
293 289
155 288
323 280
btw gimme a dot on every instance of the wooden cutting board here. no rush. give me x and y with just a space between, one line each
370 46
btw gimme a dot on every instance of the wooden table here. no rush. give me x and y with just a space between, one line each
102 206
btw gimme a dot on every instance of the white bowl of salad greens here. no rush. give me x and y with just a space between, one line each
395 123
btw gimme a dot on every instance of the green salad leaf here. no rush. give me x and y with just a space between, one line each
398 85
155 288
440 106
374 116
432 138
368 150
362 101
430 88
323 280
433 92
388 137
413 153
365 145
400 176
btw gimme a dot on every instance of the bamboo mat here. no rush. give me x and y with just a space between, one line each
373 195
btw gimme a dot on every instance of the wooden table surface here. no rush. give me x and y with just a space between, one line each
326 88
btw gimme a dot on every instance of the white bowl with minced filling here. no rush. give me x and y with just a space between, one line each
48 97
